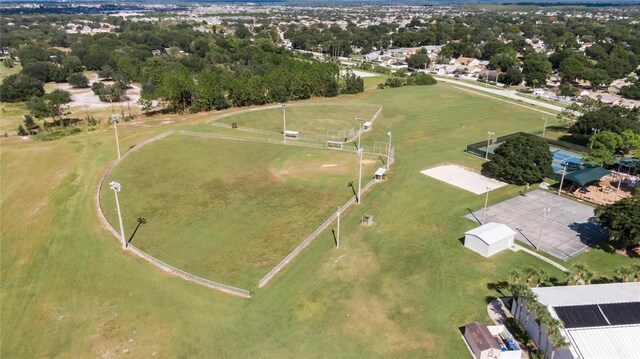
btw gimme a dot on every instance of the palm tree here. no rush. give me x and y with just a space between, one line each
636 272
541 316
554 326
530 298
542 277
575 273
529 273
516 291
587 276
558 342
514 276
624 273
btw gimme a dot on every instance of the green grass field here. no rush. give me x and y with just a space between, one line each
307 119
400 288
228 210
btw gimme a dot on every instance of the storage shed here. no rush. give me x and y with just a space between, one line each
367 125
489 238
481 342
292 134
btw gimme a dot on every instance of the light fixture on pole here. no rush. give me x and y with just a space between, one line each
338 230
486 153
544 217
116 187
544 129
486 201
389 150
564 172
114 119
619 183
359 173
284 121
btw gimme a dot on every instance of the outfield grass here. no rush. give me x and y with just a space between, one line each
11 116
400 288
306 119
227 210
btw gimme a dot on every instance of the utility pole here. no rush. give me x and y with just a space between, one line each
544 129
114 119
486 153
338 230
564 172
359 174
389 150
544 217
284 121
116 187
486 201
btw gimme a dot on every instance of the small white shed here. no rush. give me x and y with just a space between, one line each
379 175
291 134
367 125
489 238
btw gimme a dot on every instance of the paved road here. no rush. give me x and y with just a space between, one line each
512 94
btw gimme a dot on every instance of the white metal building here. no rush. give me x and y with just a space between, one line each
489 238
602 321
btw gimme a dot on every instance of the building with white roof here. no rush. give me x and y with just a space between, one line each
601 321
489 238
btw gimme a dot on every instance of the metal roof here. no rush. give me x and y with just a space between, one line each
605 342
587 175
381 171
481 336
588 294
492 232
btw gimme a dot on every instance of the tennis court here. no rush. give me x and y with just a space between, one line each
560 156
569 227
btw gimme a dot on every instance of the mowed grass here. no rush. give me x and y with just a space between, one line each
227 210
11 116
398 289
311 119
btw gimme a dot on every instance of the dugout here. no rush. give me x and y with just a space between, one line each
291 134
380 174
367 125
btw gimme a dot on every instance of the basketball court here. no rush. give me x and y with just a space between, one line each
569 226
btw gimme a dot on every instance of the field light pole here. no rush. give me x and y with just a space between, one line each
486 153
389 150
284 121
564 172
359 130
338 230
544 129
359 173
114 119
544 217
486 202
116 187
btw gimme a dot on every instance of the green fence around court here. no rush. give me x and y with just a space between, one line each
480 148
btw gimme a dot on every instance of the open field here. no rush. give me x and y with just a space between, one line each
236 211
11 116
400 288
306 119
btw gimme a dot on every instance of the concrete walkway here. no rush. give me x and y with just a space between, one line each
512 94
517 247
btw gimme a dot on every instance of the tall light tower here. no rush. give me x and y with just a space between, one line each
544 129
338 230
359 173
486 154
389 150
116 187
114 119
359 130
544 217
564 172
486 201
284 121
